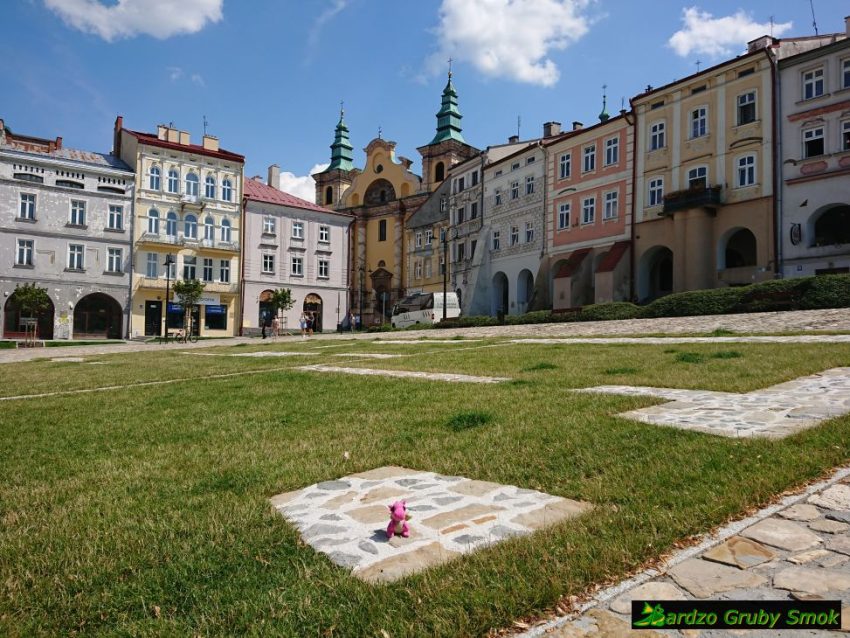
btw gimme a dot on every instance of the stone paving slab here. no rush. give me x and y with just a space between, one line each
674 340
774 412
405 374
346 519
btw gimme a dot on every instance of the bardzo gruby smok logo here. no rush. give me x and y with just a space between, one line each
736 614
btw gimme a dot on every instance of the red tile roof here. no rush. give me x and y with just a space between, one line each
613 256
256 190
153 140
569 267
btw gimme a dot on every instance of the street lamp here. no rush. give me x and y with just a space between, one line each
446 240
362 284
169 261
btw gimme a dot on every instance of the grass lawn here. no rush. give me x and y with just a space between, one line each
143 510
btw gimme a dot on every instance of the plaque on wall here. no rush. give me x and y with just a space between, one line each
796 234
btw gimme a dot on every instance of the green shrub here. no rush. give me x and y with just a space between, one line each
472 321
717 301
538 316
609 311
768 296
384 327
827 291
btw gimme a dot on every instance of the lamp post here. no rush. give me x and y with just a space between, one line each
446 239
362 284
169 261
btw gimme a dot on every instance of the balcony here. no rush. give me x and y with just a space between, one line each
695 197
190 242
158 283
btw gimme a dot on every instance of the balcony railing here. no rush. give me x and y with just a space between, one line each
158 283
181 239
696 197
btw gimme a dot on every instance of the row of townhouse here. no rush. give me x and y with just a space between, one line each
737 174
106 235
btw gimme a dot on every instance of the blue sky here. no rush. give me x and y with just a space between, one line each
269 74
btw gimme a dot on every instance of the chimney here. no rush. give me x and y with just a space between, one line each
577 126
116 136
184 138
847 26
513 139
764 42
551 129
210 142
274 176
162 132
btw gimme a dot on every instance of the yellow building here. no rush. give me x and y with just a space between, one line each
187 212
704 205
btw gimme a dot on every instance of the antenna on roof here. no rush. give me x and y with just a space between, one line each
698 62
814 20
205 124
771 26
518 122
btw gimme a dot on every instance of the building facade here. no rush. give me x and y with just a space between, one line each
295 244
65 226
426 251
188 202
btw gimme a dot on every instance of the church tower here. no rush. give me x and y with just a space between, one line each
332 182
448 146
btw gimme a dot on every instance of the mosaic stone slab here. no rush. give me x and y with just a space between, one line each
274 353
774 412
346 519
405 374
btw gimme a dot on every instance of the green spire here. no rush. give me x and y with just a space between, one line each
603 116
341 157
448 119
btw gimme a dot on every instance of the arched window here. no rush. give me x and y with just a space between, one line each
190 226
209 228
171 224
209 188
154 178
173 181
227 190
329 195
153 221
225 230
192 184
440 172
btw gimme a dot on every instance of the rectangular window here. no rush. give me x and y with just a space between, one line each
418 270
747 108
845 74
190 267
845 136
498 197
25 252
564 216
152 265
612 151
698 177
813 142
746 170
496 239
589 159
461 251
325 234
116 218
461 184
428 269
699 122
514 166
324 269
529 232
474 178
75 256
588 210
514 235
268 264
497 173
529 185
565 165
224 271
443 204
418 240
473 210
115 260
429 237
208 269
656 136
460 215
298 266
514 190
611 205
656 191
812 84
298 230
382 230
215 317
269 225
78 213
27 207
172 269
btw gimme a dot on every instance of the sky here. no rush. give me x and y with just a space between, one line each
269 75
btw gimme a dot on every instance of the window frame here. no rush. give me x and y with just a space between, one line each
76 257
226 231
209 228
152 262
26 210
77 215
740 105
224 271
817 82
564 213
267 264
172 223
529 184
696 177
588 210
298 230
745 171
226 190
115 212
210 186
173 181
845 135
269 225
515 190
514 235
115 260
324 264
190 267
529 232
190 223
607 212
25 252
588 158
565 165
657 135
612 151
324 234
207 269
297 266
154 178
191 184
813 138
655 191
698 120
496 240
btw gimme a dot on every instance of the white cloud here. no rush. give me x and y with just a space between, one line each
301 186
509 38
717 37
174 73
198 79
128 18
325 16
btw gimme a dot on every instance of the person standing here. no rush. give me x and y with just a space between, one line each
275 327
302 323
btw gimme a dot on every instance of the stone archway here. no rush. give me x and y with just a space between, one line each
655 273
13 327
265 311
737 249
97 316
500 299
524 290
313 308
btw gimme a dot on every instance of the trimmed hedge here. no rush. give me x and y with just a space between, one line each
609 311
718 301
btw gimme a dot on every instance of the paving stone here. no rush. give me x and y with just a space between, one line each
338 501
808 556
385 472
474 488
405 374
284 498
812 581
447 500
840 544
322 529
703 578
843 517
801 512
345 560
407 482
371 514
782 534
551 513
467 539
740 552
368 546
396 567
829 527
653 590
484 519
322 544
420 508
501 532
836 497
388 493
454 528
461 514
331 517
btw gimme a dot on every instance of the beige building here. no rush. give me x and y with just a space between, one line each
187 203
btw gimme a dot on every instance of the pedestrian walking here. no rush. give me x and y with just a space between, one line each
275 327
302 323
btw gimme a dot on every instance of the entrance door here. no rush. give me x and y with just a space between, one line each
153 318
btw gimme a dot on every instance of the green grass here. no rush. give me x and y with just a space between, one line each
690 357
116 504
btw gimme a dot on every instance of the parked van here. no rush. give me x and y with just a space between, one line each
424 308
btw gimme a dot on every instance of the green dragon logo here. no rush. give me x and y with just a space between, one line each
653 616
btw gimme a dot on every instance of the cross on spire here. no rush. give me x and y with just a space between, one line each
380 130
341 108
450 68
698 62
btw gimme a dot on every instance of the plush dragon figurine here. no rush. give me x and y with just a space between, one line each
398 520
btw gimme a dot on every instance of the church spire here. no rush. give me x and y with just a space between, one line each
603 116
341 157
448 118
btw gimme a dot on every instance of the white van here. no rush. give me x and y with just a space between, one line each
424 308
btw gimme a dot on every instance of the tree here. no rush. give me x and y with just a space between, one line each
281 299
189 291
32 299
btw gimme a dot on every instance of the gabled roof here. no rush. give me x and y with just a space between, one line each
153 140
257 191
569 267
612 257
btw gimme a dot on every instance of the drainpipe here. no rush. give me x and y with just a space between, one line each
132 259
242 224
635 196
776 107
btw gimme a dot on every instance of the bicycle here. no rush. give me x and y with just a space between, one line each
183 337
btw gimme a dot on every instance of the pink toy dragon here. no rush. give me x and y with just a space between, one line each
398 520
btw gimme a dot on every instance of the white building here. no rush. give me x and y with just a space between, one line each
292 243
